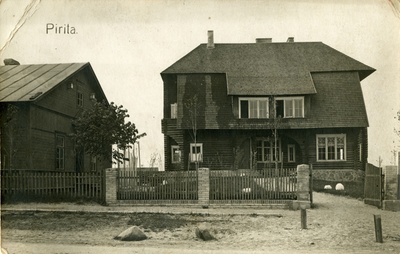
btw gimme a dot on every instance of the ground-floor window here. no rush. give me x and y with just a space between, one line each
175 154
267 151
291 153
196 152
60 151
331 147
93 163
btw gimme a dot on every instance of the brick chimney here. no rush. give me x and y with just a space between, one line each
290 39
263 40
210 42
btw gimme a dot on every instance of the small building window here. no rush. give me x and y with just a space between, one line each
266 150
93 163
196 152
331 147
79 96
175 154
290 107
253 107
291 153
60 151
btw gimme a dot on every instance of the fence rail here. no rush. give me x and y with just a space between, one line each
152 186
245 186
52 184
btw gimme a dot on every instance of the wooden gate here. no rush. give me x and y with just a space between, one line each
373 189
252 187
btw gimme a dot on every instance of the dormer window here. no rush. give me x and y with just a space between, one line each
290 107
253 107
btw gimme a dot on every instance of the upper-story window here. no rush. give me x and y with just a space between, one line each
79 99
290 107
253 107
174 110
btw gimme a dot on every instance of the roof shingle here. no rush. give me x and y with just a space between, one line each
268 68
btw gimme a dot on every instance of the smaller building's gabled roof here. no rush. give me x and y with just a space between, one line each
267 68
20 83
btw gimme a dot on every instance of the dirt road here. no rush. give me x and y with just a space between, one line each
337 224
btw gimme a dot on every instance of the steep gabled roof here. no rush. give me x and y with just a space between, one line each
268 68
30 82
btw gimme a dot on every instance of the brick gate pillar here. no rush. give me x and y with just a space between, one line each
391 200
204 186
303 188
110 185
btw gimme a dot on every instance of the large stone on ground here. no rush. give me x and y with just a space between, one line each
204 234
131 234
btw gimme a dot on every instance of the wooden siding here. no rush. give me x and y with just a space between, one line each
16 133
53 113
172 136
170 94
338 103
231 149
214 105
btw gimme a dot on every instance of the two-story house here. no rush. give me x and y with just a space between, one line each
38 106
253 104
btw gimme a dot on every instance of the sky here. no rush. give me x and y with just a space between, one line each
130 42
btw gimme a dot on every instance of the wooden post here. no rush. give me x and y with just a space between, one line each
378 228
303 218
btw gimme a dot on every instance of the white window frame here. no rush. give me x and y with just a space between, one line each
174 110
257 99
289 153
175 149
338 157
291 99
271 155
196 157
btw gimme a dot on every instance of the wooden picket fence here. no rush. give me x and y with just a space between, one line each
157 186
253 187
52 184
225 186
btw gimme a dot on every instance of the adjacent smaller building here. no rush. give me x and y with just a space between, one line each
38 106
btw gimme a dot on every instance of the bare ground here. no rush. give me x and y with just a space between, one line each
337 223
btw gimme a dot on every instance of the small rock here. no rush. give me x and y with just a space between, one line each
327 187
204 234
131 234
339 186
